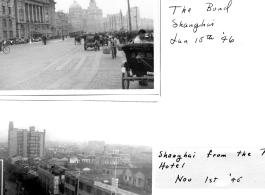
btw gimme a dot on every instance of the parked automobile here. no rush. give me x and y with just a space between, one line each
21 41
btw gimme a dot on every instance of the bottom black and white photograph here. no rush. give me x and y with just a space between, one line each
59 151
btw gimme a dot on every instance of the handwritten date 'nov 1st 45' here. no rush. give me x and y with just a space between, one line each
195 26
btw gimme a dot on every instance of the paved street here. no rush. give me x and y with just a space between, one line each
60 65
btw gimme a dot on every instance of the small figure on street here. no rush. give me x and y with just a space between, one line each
113 45
1 43
63 38
85 37
44 39
139 38
97 39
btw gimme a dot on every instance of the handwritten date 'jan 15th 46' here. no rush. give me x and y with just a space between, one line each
223 39
210 7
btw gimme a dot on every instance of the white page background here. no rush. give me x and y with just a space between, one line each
212 94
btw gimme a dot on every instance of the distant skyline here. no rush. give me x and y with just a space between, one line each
112 7
77 122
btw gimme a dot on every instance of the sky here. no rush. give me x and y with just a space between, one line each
112 6
76 121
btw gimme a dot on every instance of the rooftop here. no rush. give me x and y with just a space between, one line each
87 176
75 5
115 166
146 170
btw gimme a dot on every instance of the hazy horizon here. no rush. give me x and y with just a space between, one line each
75 121
111 8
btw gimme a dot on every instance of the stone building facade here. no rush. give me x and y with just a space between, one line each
34 18
61 23
89 20
7 19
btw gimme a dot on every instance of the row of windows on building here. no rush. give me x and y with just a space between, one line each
10 34
129 178
4 10
36 16
36 151
31 144
70 181
85 187
82 186
5 23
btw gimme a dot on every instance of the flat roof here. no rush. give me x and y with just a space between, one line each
114 166
88 177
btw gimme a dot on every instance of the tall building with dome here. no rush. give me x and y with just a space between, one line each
89 20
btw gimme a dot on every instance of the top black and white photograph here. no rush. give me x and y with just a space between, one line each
76 44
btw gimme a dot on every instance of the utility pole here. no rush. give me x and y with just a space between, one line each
110 23
129 13
121 20
95 23
136 19
112 27
115 22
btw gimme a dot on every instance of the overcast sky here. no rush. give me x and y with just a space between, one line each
112 6
79 121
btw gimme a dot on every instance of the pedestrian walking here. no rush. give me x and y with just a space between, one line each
113 45
44 40
97 39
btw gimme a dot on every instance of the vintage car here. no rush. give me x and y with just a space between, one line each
89 43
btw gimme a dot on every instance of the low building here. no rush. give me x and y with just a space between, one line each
112 157
91 184
114 170
139 165
140 178
83 182
143 157
51 178
90 159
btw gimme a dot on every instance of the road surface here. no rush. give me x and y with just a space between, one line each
60 65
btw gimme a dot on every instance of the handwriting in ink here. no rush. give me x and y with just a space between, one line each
195 26
183 10
235 179
224 39
212 8
262 149
244 153
175 40
200 39
163 166
210 153
164 154
184 179
209 180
